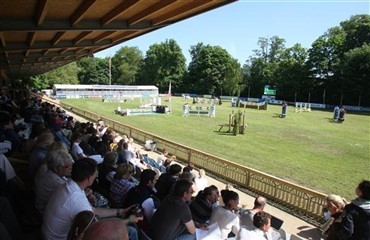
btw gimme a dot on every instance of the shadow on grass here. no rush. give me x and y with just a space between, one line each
331 120
224 133
277 115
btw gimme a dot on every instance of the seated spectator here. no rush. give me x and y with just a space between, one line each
225 216
59 164
76 150
70 199
144 194
356 219
121 184
201 207
335 205
173 218
161 158
261 223
189 168
166 180
246 216
39 151
7 131
107 170
55 146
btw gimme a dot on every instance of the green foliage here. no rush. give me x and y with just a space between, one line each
211 67
66 74
93 70
125 65
163 63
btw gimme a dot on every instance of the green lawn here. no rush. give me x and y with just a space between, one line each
304 148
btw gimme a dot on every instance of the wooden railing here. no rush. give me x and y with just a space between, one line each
303 200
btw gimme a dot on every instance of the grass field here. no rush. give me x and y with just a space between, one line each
304 148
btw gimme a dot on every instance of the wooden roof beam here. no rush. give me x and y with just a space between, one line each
151 10
31 38
109 17
81 37
190 6
42 45
2 39
81 10
41 10
121 36
57 37
23 25
102 36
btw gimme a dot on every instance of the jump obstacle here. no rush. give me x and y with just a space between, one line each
236 123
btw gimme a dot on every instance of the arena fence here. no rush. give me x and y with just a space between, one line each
305 202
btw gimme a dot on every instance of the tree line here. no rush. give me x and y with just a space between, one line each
334 70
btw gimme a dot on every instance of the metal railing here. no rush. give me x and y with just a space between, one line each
303 200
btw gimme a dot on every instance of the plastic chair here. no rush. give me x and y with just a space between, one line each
283 235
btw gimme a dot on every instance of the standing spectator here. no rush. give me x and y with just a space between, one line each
356 218
284 109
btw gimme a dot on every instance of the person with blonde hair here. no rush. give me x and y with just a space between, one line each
121 184
335 205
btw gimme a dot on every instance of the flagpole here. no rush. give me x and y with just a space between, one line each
170 96
110 70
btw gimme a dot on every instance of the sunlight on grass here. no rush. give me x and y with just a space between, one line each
304 148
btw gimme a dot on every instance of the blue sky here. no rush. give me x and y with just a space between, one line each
236 27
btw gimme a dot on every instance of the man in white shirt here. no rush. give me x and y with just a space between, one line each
262 224
70 199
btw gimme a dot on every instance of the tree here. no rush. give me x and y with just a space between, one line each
163 63
263 65
292 74
93 70
355 67
66 74
125 65
234 83
211 67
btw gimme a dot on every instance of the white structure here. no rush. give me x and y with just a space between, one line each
62 91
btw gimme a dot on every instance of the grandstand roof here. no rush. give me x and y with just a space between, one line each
39 35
